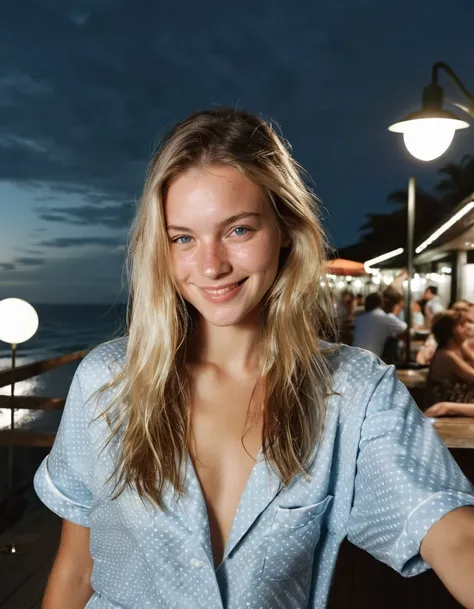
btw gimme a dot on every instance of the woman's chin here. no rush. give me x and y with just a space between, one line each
226 316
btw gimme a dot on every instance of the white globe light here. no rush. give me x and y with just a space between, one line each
428 138
18 320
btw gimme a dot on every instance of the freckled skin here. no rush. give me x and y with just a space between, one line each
210 254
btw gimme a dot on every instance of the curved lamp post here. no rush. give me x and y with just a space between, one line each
427 134
18 323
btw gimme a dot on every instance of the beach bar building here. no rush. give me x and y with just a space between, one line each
445 257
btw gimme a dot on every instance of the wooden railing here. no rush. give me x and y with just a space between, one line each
29 370
20 437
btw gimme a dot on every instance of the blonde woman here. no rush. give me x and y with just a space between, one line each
218 454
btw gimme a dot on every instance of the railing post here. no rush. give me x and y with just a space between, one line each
11 454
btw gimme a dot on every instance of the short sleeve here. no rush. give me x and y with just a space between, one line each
396 325
63 481
406 479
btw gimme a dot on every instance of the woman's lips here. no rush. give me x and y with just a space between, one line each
222 293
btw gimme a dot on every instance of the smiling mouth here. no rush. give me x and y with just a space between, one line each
221 291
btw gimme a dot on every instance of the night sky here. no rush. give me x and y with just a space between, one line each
87 87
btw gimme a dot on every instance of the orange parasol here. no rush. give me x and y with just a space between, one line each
339 266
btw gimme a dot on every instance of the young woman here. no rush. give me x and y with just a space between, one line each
451 377
218 454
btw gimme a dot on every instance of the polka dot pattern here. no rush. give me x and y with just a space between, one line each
380 475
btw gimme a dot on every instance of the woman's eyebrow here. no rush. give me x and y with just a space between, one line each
230 220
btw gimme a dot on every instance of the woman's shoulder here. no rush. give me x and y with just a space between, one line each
443 360
359 364
102 363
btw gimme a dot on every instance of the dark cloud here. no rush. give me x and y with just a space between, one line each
28 250
87 88
29 261
67 242
112 216
7 266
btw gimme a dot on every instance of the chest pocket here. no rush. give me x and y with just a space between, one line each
292 540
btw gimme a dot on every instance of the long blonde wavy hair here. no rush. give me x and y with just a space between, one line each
152 390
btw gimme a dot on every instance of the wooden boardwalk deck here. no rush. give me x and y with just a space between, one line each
23 575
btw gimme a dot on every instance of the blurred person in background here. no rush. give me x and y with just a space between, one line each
462 306
427 351
451 375
451 409
359 305
375 326
433 304
418 315
345 316
393 304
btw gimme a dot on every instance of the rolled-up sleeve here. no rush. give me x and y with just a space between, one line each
406 479
63 481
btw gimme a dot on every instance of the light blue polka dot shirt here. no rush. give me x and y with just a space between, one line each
381 477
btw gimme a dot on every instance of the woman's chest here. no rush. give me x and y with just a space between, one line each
227 425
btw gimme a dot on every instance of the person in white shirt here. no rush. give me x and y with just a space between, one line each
433 304
374 327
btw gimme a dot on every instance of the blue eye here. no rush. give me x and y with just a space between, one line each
182 240
241 231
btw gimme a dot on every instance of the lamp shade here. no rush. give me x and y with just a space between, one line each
428 133
18 320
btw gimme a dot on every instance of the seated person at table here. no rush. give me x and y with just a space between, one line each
451 376
393 304
427 351
374 327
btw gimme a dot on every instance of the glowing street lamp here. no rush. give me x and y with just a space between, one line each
428 132
18 323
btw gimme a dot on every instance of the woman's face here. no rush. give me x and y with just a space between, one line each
462 330
468 319
225 242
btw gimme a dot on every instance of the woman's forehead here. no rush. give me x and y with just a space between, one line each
213 194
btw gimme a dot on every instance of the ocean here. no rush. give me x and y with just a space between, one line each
62 329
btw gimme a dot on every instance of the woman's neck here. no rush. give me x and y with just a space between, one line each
232 349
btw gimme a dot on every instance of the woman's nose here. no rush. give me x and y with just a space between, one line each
213 260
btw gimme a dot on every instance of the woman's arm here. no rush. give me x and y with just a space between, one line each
69 583
450 409
427 351
448 548
425 355
468 351
460 368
